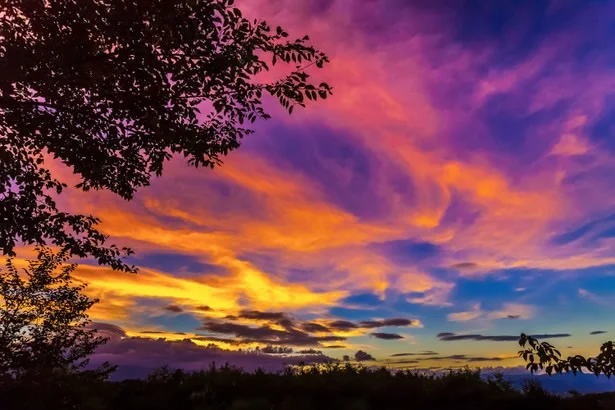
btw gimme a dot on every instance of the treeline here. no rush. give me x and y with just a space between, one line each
333 386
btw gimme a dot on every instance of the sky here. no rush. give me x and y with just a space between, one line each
456 190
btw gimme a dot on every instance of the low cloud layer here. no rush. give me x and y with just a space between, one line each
452 358
137 356
424 353
281 329
452 337
245 334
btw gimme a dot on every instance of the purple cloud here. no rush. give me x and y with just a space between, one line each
362 356
452 337
137 356
386 336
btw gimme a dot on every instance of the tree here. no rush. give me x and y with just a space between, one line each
114 89
544 356
43 321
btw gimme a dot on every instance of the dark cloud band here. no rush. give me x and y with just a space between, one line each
452 337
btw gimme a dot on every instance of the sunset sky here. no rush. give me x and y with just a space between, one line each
456 190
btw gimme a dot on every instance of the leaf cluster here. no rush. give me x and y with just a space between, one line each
114 89
544 356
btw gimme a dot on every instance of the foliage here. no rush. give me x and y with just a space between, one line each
114 88
533 389
43 322
335 386
544 356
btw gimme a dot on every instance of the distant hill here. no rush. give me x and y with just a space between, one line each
562 383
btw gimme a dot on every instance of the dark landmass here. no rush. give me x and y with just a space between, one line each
330 386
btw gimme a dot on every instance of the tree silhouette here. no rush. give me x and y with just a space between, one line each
115 88
544 356
43 321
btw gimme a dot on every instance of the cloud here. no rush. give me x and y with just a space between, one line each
455 358
342 325
174 309
397 322
309 351
472 314
222 295
595 298
137 356
598 332
256 315
281 329
204 308
508 311
451 337
345 325
410 361
107 330
451 357
465 266
437 296
570 145
387 336
488 359
312 327
362 356
265 334
276 350
425 353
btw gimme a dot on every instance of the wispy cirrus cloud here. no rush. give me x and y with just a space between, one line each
595 298
511 311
